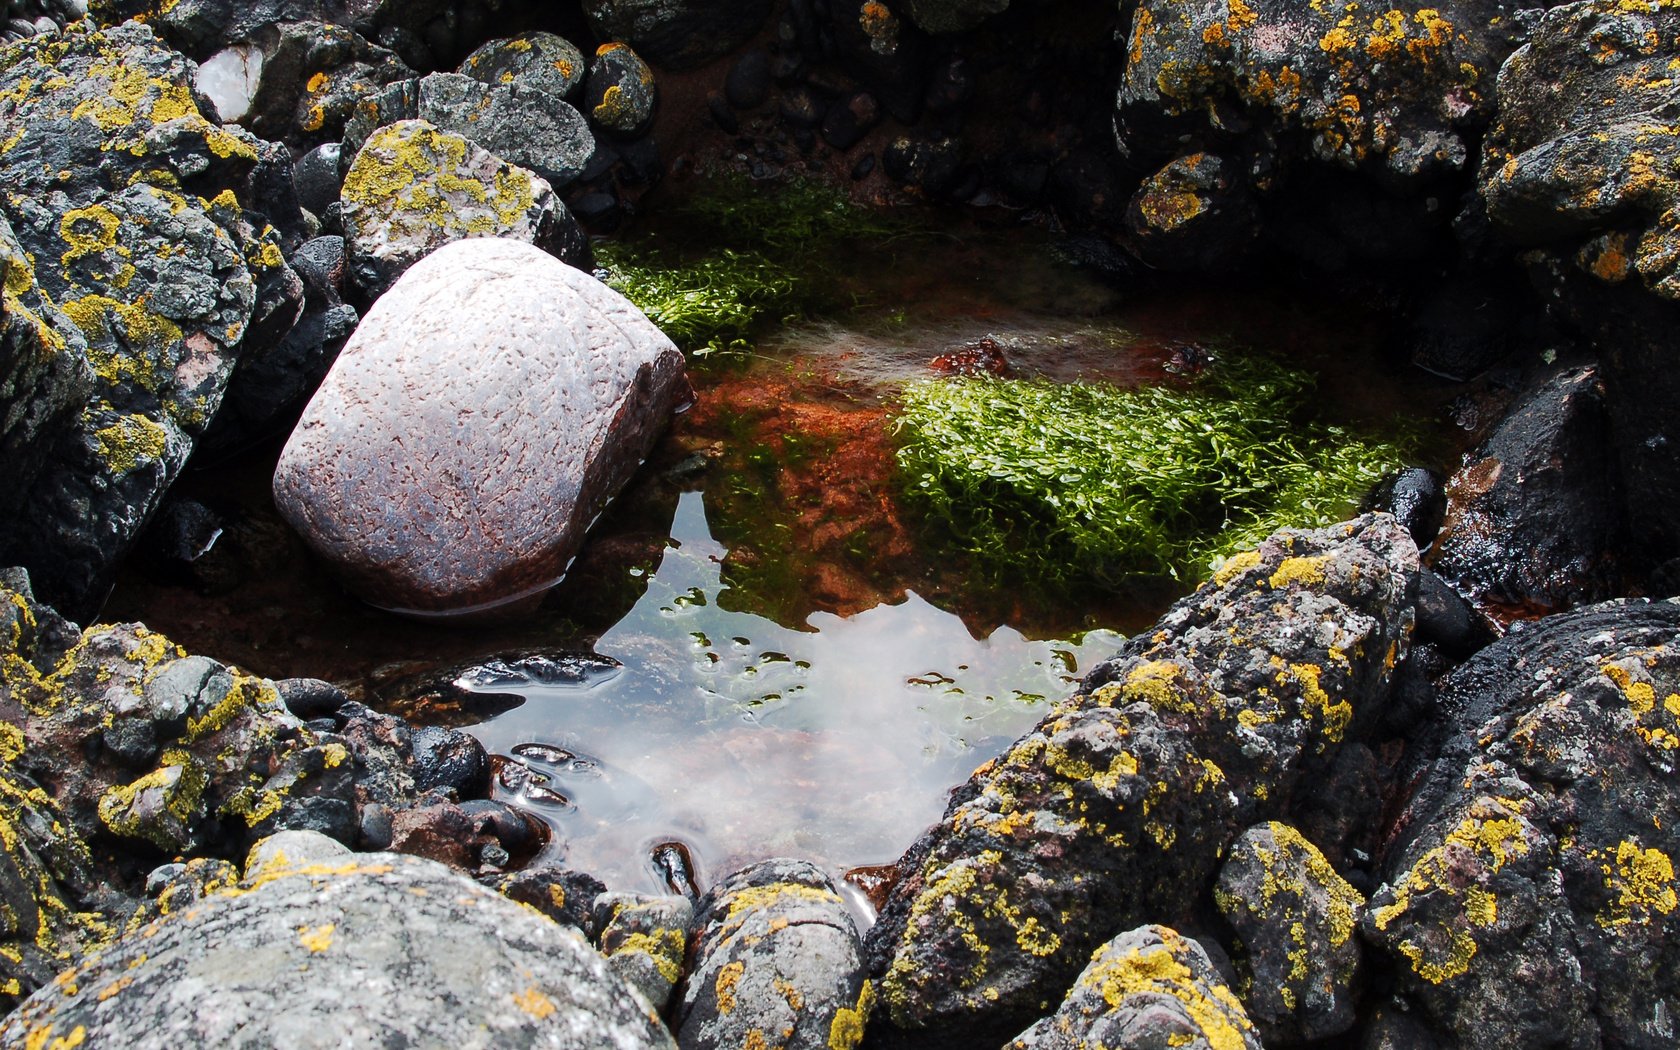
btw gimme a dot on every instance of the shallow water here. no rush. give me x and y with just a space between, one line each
804 672
742 738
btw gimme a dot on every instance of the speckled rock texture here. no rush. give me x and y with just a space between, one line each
1533 523
1116 808
1585 144
414 188
523 124
1398 90
535 60
1295 923
485 411
373 950
678 34
1530 897
1150 987
777 963
129 202
645 941
620 93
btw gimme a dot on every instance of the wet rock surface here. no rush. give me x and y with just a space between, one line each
1532 524
492 513
1117 807
475 970
1530 896
777 962
1147 987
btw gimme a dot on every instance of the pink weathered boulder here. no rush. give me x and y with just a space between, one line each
487 408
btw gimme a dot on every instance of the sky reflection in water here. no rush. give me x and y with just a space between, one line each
745 739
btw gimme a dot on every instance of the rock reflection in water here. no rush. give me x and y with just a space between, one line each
744 739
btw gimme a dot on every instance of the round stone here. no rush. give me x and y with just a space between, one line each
485 411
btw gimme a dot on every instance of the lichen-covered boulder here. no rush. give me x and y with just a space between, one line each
485 411
1150 987
371 949
1295 922
619 95
1530 898
952 16
1584 143
414 188
1533 524
678 34
645 940
777 963
129 203
142 743
524 124
1116 808
535 60
1400 91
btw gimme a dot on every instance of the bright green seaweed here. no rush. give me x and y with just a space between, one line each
1062 482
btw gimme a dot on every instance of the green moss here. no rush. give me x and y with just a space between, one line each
708 305
1060 482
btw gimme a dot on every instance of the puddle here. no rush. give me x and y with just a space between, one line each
743 739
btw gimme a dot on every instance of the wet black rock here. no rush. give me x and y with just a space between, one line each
774 952
1530 895
318 177
1417 499
678 34
1295 920
1533 520
1149 987
1116 808
1462 327
884 52
450 760
310 698
931 166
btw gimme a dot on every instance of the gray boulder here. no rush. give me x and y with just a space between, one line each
645 940
414 187
777 962
372 950
485 411
1150 987
535 60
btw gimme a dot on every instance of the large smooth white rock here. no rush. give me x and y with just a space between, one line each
485 411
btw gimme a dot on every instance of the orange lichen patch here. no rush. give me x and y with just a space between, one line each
535 1003
317 938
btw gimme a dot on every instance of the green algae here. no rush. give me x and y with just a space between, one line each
1062 482
751 254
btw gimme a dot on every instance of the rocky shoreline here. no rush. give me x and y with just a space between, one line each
1403 782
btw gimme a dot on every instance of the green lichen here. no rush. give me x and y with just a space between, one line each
1067 482
132 441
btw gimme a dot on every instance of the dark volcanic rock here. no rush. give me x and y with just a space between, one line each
1530 897
1193 214
1150 987
1533 522
775 958
1295 921
376 946
567 897
952 16
1116 808
678 34
506 458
